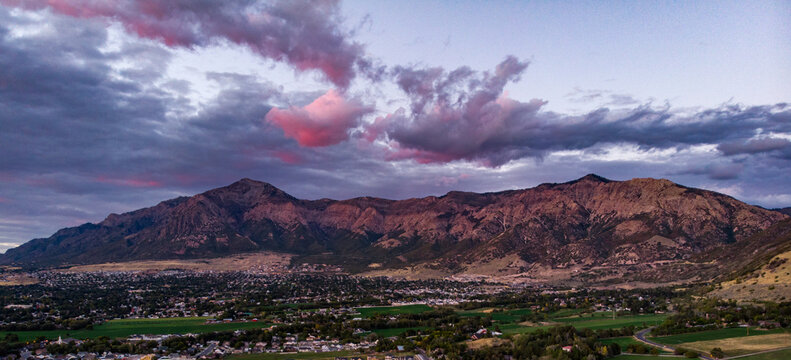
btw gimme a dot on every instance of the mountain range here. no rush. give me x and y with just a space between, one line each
590 230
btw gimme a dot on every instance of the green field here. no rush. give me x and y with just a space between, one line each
393 310
396 331
622 341
775 355
593 323
642 357
605 322
505 316
711 335
127 327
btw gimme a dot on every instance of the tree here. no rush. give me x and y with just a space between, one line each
717 353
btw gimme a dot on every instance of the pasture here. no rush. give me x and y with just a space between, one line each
712 335
742 345
393 310
774 355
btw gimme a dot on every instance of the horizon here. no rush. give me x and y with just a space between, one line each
108 108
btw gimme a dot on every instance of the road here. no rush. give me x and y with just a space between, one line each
640 336
206 351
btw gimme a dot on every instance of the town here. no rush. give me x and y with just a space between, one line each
177 314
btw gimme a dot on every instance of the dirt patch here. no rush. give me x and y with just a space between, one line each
486 342
17 279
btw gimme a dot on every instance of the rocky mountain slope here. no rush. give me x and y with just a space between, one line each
591 225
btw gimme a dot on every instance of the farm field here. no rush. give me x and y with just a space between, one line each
393 310
712 335
622 341
610 323
395 331
588 323
743 345
127 327
775 355
505 316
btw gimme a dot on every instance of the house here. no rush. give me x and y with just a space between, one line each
567 348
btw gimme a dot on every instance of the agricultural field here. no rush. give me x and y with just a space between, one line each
504 316
605 322
622 341
127 327
395 331
775 355
393 310
743 345
712 335
594 323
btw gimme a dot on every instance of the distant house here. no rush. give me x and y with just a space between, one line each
567 348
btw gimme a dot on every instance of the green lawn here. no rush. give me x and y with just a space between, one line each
395 331
315 356
393 310
565 313
711 335
775 355
126 327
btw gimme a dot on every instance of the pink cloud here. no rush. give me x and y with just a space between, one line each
324 122
305 34
456 115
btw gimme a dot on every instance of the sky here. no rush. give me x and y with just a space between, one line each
107 107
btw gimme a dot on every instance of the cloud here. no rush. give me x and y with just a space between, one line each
463 115
324 122
754 146
305 34
728 171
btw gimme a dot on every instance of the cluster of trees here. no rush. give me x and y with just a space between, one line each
580 344
642 349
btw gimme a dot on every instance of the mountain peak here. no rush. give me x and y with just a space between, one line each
591 178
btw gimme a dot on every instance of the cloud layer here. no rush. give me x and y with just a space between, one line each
305 34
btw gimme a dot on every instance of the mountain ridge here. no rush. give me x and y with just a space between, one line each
585 223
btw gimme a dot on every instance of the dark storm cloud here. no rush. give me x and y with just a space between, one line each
725 171
305 34
756 146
